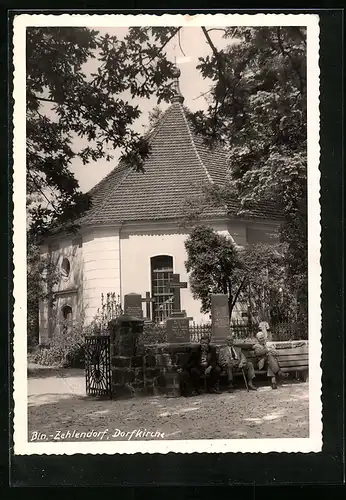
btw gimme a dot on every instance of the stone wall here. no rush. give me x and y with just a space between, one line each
160 365
127 376
152 371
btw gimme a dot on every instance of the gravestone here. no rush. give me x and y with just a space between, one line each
133 305
178 330
220 327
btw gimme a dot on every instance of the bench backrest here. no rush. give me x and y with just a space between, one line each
290 358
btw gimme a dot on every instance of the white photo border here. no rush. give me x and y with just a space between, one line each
305 445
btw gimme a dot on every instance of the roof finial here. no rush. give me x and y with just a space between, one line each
177 97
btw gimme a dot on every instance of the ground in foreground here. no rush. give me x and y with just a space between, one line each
57 402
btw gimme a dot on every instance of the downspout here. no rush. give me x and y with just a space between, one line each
120 276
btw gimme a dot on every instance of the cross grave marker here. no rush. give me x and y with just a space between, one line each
148 300
175 284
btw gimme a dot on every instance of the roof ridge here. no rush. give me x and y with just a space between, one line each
120 166
209 177
150 134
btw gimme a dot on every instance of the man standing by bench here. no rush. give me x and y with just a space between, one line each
232 359
267 358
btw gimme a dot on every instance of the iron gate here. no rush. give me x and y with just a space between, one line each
98 366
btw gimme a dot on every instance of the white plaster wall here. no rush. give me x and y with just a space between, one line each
267 234
136 251
138 247
69 248
101 267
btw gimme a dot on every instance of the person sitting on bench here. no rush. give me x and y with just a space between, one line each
267 358
202 361
232 359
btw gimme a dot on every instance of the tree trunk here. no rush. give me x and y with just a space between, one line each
230 305
235 298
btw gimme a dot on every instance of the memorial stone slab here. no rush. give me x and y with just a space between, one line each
220 327
178 330
178 314
133 305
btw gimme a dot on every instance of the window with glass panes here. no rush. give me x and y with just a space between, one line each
161 272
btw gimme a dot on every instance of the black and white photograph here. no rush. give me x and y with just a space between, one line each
166 234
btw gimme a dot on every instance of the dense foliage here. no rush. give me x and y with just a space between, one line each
254 276
266 292
258 110
212 262
65 349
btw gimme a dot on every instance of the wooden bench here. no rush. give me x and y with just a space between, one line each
293 357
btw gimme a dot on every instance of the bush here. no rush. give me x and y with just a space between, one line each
65 349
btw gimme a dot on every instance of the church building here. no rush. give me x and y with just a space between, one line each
132 238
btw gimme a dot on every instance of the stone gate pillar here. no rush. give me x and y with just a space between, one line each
126 356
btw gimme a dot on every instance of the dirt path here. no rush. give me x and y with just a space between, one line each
57 402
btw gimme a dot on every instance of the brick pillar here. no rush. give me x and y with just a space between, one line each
126 356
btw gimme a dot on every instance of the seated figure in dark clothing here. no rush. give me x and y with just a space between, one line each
202 360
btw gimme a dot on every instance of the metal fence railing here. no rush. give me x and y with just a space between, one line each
156 334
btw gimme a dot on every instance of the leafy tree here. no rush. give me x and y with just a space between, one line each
65 102
267 291
213 263
258 110
254 276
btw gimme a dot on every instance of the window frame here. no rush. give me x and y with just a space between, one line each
161 270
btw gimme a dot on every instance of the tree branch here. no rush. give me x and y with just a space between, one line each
40 191
203 94
216 29
219 60
221 71
164 45
238 292
47 100
179 41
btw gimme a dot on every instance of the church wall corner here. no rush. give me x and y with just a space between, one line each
101 267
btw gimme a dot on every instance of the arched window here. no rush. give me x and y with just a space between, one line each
67 313
65 267
161 272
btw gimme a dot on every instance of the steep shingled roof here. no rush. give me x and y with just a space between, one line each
175 171
180 164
